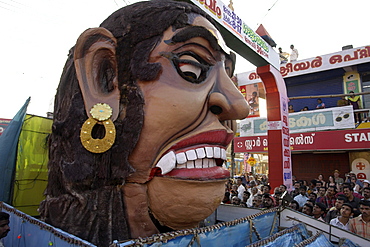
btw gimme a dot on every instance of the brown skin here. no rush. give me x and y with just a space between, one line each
164 127
345 214
4 228
365 213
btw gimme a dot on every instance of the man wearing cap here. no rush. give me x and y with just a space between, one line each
337 179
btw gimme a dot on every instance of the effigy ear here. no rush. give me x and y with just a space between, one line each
96 69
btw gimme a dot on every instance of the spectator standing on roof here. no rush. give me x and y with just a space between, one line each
294 54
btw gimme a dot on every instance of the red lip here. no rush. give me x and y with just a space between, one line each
215 137
216 172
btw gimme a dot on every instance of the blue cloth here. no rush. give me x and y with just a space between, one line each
8 153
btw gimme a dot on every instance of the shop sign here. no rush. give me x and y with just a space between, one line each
322 119
226 17
312 65
310 141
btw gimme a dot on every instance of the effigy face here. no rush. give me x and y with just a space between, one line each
183 143
150 154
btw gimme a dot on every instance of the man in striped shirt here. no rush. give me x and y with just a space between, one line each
361 224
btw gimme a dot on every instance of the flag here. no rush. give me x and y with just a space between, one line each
8 153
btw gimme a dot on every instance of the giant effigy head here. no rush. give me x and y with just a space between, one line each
141 125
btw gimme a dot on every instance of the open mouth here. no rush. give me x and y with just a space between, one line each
189 159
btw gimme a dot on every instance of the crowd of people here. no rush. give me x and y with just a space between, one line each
343 202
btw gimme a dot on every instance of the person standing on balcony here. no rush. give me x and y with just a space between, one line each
356 103
320 104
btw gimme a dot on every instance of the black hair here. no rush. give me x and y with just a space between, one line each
348 205
303 188
342 198
321 206
4 216
308 205
365 203
296 203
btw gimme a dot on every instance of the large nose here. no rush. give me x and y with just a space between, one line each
225 99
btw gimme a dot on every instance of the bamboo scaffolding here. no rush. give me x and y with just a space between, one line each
326 96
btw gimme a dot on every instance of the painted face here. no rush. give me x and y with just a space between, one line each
183 141
4 228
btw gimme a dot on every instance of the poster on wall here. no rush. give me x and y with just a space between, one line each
251 95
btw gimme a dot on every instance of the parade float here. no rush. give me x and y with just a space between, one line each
143 115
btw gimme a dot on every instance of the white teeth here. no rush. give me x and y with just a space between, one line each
198 163
200 153
181 165
205 163
167 163
209 152
212 163
223 154
181 158
193 158
217 153
190 164
191 154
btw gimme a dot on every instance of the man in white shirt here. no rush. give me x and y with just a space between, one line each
346 212
293 54
241 188
302 197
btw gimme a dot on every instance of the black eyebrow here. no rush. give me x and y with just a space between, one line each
193 32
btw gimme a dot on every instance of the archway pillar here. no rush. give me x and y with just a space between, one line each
279 154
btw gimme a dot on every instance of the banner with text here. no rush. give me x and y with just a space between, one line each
322 119
233 23
354 139
312 65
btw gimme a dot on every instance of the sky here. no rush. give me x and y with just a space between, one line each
37 35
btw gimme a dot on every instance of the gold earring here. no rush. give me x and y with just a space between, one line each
100 113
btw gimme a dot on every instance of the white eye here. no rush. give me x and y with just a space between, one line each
189 70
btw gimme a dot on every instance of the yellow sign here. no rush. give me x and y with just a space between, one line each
251 161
